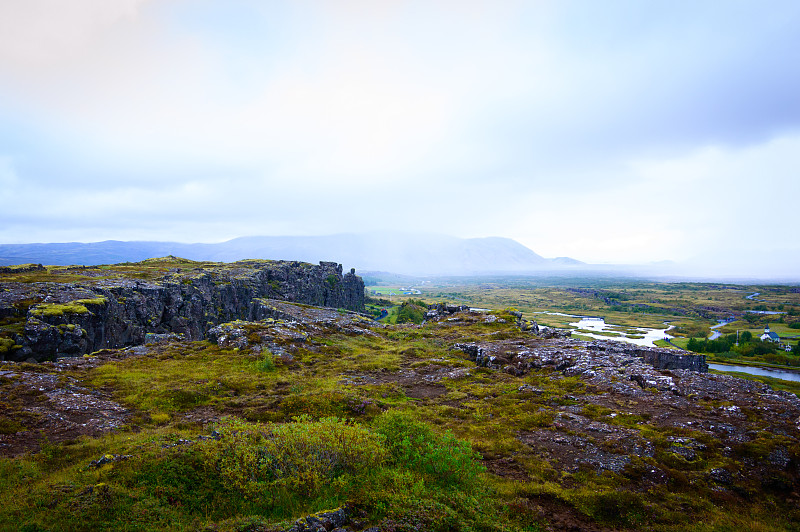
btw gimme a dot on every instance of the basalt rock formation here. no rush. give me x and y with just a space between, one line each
110 307
577 357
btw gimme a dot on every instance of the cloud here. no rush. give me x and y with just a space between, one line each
40 33
206 120
713 206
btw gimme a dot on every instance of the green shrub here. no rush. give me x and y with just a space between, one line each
179 477
412 311
267 363
299 457
415 445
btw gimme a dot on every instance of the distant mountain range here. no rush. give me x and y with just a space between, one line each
412 254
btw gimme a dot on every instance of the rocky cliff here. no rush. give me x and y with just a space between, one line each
114 306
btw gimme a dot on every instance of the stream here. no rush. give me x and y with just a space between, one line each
785 374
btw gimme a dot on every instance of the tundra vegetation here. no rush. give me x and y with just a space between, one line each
265 422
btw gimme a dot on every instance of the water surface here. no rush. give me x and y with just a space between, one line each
785 374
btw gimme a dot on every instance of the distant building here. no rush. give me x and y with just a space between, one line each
770 336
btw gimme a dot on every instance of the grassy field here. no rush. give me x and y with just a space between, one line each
385 290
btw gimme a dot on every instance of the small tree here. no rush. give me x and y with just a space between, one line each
694 345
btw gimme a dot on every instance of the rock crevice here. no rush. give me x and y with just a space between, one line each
72 319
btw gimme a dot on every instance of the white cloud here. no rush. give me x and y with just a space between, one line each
715 202
41 33
613 132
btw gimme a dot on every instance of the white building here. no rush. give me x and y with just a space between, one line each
770 336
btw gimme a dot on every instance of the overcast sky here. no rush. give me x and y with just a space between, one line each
607 131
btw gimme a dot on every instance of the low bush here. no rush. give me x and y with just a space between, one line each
266 459
266 363
442 457
412 311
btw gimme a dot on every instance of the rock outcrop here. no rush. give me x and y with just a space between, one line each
48 320
670 359
22 268
440 310
574 357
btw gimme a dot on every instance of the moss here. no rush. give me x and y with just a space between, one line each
159 418
7 345
78 306
10 426
613 507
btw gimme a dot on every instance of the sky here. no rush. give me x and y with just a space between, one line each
609 131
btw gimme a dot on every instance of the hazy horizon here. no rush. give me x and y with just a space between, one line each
608 132
413 254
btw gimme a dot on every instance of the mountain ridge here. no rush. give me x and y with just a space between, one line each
406 253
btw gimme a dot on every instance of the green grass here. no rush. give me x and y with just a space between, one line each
680 342
391 317
782 329
663 343
610 334
385 290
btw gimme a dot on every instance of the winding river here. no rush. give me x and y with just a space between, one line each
598 329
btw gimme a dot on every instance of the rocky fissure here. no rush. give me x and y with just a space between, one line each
49 320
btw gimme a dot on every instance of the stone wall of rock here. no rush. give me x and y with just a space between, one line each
669 359
73 319
579 356
659 358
